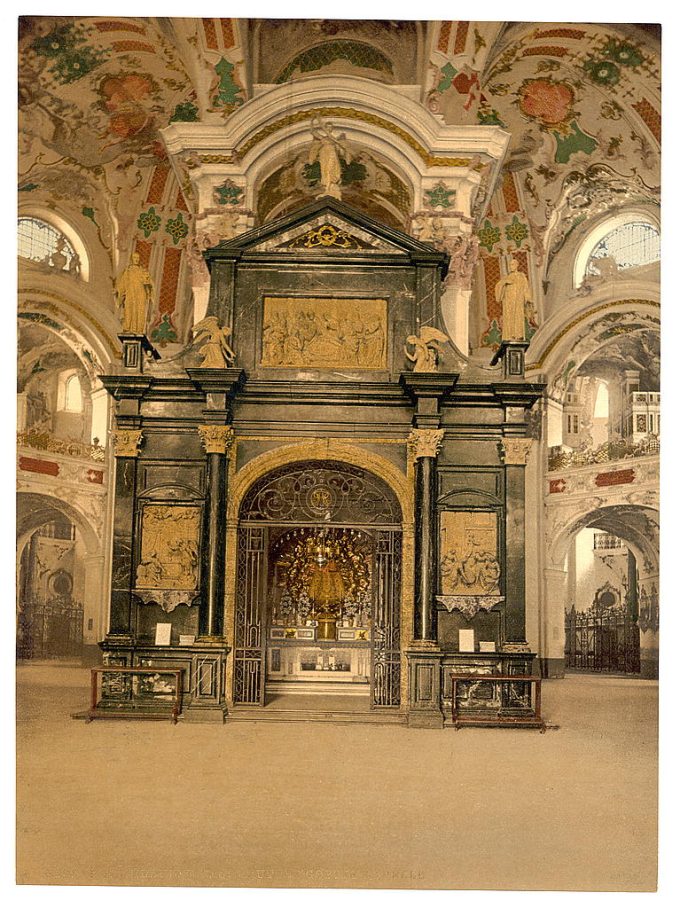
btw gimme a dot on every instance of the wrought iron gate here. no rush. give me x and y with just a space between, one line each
50 630
602 640
386 656
249 651
323 495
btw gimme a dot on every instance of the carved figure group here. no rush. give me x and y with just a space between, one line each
134 290
213 339
426 349
477 570
322 338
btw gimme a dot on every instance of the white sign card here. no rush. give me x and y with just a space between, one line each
487 646
163 634
466 640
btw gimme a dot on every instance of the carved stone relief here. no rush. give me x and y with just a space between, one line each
425 442
469 563
169 554
324 333
126 442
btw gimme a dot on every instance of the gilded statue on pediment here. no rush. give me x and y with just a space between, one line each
512 292
134 292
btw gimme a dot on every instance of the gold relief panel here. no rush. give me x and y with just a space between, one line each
324 333
468 555
170 543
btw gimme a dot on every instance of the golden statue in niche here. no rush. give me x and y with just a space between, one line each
322 575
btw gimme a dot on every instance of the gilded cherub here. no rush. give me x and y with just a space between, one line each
215 349
426 347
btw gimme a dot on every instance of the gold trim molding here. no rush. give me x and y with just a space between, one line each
425 443
584 317
216 439
514 451
126 442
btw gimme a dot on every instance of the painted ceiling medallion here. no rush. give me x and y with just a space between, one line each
549 102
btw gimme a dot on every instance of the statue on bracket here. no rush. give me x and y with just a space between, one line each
213 338
328 149
425 348
134 290
512 292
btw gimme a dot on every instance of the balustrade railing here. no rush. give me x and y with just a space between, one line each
559 459
44 441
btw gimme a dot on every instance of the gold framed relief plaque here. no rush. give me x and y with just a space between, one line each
324 333
169 554
469 553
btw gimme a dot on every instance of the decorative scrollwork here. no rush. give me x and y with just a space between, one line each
317 490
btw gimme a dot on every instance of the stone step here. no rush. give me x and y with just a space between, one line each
271 714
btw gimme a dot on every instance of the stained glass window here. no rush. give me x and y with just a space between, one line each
629 245
38 241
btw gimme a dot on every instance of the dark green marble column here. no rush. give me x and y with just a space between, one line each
126 443
425 444
217 441
514 452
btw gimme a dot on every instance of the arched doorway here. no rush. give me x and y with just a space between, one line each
318 585
59 573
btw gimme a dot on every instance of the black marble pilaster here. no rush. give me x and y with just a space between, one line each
515 553
124 540
211 609
424 616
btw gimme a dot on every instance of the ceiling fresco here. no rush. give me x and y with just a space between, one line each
582 103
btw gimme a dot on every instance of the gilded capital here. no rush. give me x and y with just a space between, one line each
216 439
126 442
425 442
514 451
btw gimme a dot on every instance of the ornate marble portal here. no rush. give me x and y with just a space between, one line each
335 511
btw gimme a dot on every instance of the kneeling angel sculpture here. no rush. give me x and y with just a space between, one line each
215 349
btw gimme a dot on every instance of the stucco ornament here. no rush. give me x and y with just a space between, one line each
512 292
212 338
425 348
134 290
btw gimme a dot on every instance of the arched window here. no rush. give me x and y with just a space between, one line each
619 243
41 242
70 392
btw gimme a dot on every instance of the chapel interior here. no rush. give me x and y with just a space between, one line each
339 371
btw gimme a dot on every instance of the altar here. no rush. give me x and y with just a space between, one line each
331 501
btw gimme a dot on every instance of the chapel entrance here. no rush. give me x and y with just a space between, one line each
318 592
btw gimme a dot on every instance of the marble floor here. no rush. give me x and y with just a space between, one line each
315 804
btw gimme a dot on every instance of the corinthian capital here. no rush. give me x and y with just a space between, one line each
514 451
216 439
425 442
126 442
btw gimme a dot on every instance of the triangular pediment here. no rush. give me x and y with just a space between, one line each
327 227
